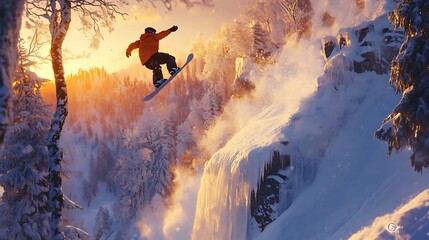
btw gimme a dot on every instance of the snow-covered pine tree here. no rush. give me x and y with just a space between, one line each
186 143
104 164
260 43
10 24
88 192
107 159
408 124
163 161
188 134
130 173
24 213
212 103
100 170
103 224
145 165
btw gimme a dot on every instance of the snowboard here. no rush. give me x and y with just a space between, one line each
153 94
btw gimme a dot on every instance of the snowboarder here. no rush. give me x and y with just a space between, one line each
148 46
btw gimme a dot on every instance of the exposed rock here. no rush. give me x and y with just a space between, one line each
329 44
344 39
377 60
377 45
362 32
265 202
371 63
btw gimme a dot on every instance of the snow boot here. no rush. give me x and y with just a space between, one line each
159 82
174 70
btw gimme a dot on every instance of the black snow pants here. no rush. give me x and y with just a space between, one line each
154 64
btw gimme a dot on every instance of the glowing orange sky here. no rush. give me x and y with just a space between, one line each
111 52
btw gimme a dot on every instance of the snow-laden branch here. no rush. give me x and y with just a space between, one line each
70 204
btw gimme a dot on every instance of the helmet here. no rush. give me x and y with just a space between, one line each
150 30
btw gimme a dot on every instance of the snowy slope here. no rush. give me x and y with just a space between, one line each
355 182
410 221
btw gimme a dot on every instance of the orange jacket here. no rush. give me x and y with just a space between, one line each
147 45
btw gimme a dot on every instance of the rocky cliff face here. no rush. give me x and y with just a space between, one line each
376 43
265 202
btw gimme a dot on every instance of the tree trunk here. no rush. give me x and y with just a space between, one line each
10 24
59 25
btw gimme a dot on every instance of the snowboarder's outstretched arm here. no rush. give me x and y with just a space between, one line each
131 47
165 33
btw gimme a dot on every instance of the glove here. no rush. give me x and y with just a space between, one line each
173 28
128 53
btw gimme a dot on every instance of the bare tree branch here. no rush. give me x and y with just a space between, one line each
36 42
289 6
